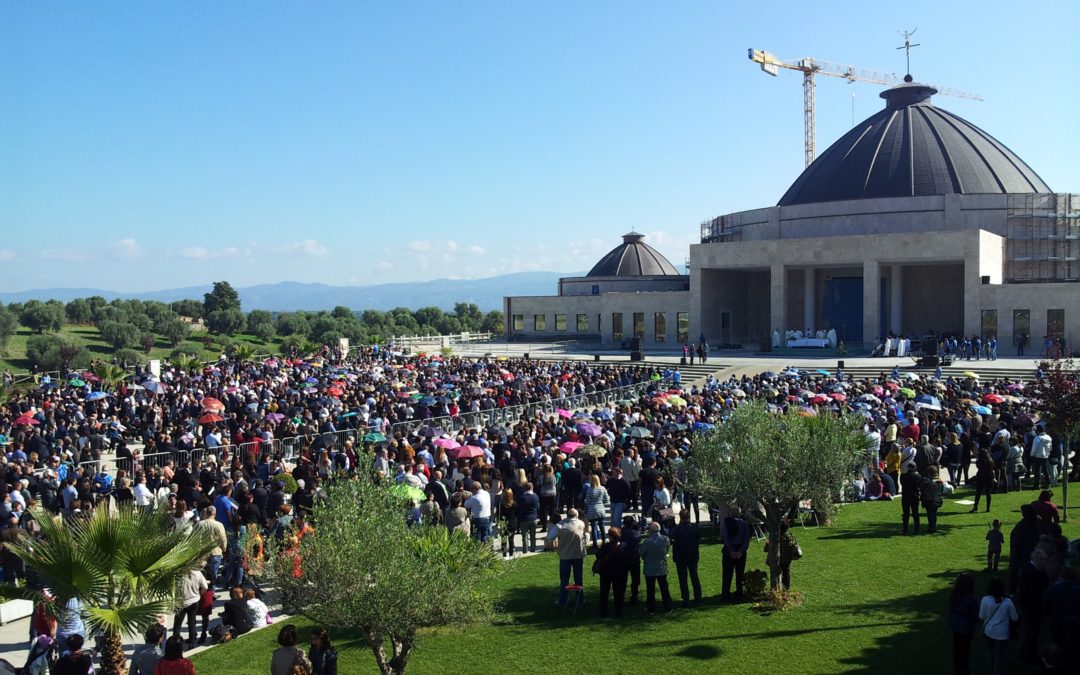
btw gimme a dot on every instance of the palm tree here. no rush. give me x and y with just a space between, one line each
190 364
111 374
121 564
243 352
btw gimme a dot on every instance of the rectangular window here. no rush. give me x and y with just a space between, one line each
616 326
989 323
519 322
582 322
539 322
596 289
1055 323
682 327
1021 324
639 325
660 325
560 322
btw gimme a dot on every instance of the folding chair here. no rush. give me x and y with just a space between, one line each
575 591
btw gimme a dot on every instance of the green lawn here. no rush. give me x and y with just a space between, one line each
874 603
14 357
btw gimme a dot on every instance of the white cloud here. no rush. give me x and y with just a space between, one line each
125 249
384 265
195 253
6 255
419 246
476 250
67 254
451 246
305 248
204 253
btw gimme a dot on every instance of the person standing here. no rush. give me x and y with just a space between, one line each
1031 585
146 657
996 611
631 555
287 658
654 552
963 613
322 654
188 594
569 540
686 551
984 479
528 508
735 535
619 492
597 502
630 465
612 570
1040 456
909 496
479 506
930 497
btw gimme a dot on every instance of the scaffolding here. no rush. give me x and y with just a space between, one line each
722 229
1043 238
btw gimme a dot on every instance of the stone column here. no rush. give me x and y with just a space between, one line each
896 299
778 299
808 299
871 300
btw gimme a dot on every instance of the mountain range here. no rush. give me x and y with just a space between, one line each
289 296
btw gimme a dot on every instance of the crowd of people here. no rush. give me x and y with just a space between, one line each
599 474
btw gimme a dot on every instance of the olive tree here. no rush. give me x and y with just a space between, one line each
767 463
361 535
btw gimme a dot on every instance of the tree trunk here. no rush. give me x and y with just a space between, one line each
1065 480
112 655
402 650
375 641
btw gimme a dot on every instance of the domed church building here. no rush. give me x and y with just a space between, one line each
632 291
915 221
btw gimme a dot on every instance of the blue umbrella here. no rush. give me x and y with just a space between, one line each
769 375
603 415
427 400
822 371
153 387
928 399
96 396
312 380
982 410
703 426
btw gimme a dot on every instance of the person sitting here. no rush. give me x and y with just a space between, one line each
875 489
235 612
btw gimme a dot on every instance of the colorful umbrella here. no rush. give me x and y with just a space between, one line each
96 396
591 450
972 375
446 443
76 382
994 398
907 391
26 420
374 437
466 452
570 446
589 429
565 414
211 418
213 405
982 410
274 417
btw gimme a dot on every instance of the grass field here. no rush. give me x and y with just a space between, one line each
874 603
14 357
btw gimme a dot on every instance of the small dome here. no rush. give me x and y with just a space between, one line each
633 258
912 148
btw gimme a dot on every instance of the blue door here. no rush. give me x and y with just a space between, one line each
844 307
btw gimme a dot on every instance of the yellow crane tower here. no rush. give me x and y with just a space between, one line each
811 68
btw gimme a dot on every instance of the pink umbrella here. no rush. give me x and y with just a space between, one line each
570 446
838 397
589 429
466 451
446 443
566 414
878 391
26 420
274 417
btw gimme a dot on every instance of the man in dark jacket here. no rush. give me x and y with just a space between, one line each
909 496
631 554
619 491
686 545
572 481
235 612
1031 586
1022 541
528 514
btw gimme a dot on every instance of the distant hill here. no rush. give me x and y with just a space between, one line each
290 296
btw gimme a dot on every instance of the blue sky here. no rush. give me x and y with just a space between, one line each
155 145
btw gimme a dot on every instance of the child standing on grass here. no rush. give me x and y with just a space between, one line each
994 541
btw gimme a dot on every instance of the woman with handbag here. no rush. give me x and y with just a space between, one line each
661 505
997 612
597 503
288 659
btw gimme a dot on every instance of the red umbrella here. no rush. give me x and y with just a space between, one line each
213 404
993 398
210 418
335 391
466 451
26 420
820 398
838 397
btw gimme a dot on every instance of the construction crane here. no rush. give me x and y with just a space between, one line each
811 68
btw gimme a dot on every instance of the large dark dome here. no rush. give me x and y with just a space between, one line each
912 148
633 258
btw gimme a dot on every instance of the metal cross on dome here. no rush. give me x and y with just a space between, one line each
907 47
